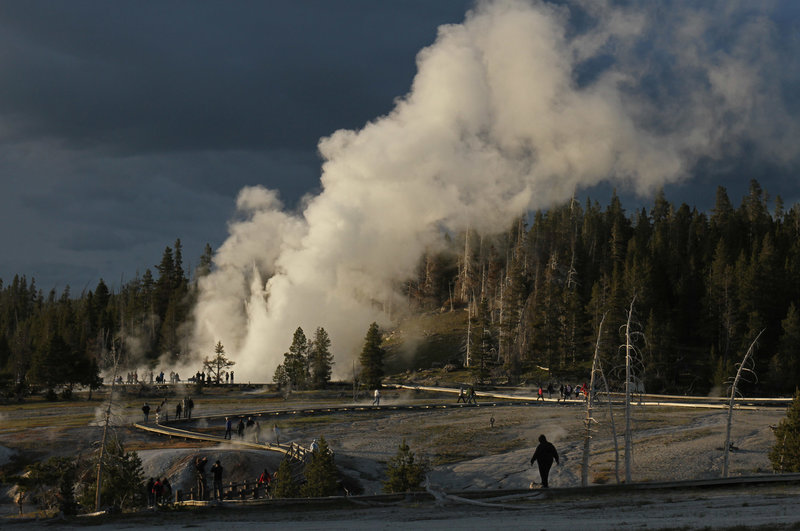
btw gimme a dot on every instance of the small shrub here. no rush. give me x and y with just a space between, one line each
404 473
785 453
321 474
285 485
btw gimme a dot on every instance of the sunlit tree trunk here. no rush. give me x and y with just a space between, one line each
744 367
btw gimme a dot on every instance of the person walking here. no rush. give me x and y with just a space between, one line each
250 427
377 400
216 470
178 410
540 394
277 433
228 428
146 411
544 455
240 428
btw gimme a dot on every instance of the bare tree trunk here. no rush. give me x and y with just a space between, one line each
628 381
613 427
589 403
99 487
743 368
469 333
466 272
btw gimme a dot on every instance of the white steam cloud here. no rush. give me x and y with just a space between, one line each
514 109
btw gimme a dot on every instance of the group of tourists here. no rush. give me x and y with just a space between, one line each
264 480
565 391
183 409
467 396
207 378
250 429
159 491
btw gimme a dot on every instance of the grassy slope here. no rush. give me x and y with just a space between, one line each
427 341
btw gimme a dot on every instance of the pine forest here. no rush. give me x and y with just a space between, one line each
701 285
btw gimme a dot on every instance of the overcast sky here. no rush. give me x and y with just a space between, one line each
126 124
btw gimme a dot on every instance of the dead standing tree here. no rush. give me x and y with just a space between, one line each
597 374
745 369
634 367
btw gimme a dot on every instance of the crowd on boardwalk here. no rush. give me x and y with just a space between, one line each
183 409
159 378
565 391
250 429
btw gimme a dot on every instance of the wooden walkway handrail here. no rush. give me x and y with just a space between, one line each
292 449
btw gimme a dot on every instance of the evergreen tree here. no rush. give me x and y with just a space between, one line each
295 362
320 359
785 453
206 260
404 472
285 484
217 365
371 358
481 343
123 477
785 364
321 473
50 363
51 484
281 377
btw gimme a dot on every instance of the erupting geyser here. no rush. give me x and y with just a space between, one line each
514 109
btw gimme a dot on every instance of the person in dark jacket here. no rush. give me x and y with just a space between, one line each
202 482
216 470
544 455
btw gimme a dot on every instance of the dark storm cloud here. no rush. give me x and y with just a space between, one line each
164 76
125 125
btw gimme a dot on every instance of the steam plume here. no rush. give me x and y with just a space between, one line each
514 109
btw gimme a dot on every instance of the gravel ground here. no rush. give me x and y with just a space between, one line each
470 452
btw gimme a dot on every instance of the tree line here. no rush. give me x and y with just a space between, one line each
58 341
704 284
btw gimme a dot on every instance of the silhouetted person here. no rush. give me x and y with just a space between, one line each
216 470
202 483
146 411
544 455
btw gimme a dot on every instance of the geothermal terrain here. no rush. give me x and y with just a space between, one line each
470 450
